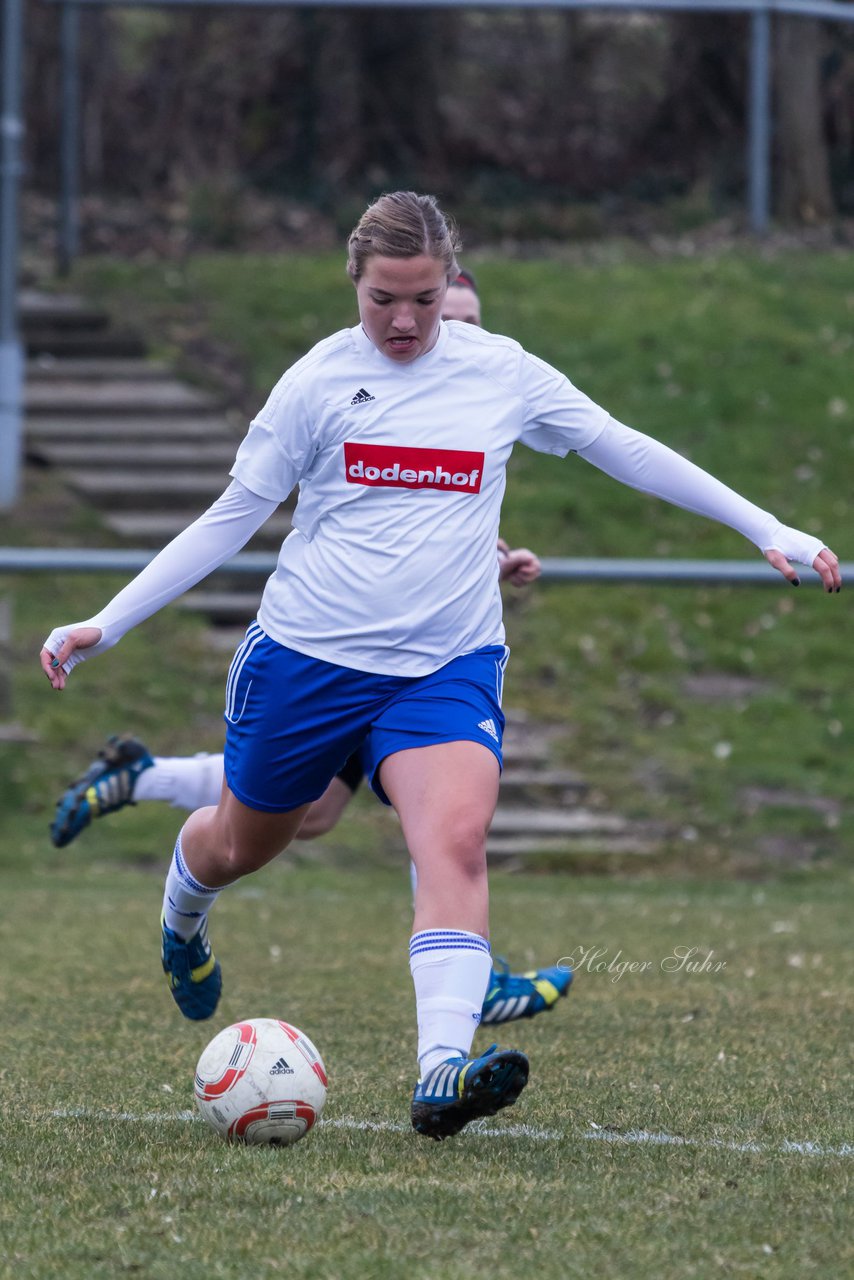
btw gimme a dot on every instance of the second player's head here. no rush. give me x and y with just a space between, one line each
462 301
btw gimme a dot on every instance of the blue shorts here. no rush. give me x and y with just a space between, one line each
292 721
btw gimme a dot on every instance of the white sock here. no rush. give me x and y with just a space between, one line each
186 901
187 782
450 969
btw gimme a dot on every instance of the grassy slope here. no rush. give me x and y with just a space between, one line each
741 362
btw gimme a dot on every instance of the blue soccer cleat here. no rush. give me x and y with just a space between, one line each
192 971
106 786
523 995
464 1089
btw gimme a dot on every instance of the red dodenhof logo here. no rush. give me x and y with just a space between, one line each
395 467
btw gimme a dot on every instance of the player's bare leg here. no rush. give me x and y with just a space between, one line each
216 847
445 796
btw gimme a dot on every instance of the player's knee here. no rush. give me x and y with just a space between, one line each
241 860
466 843
242 854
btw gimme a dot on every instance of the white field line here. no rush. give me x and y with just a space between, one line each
478 1130
675 1140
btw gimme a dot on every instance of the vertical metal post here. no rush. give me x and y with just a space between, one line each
5 657
69 138
11 352
759 127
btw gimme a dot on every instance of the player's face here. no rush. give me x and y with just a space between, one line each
461 304
400 304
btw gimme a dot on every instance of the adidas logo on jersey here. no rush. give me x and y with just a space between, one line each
281 1068
362 397
488 726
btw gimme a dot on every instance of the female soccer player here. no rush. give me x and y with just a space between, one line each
125 773
381 626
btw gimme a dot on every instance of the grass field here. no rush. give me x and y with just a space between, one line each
103 1174
677 1124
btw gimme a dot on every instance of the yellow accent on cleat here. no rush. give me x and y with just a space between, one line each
93 801
199 975
547 989
462 1076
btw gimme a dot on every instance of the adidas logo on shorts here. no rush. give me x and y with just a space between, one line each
488 726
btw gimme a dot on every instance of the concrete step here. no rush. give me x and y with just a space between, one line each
116 396
88 368
132 427
152 454
559 785
225 608
528 821
530 742
156 528
36 308
66 325
515 851
12 732
520 753
104 344
151 489
225 639
524 832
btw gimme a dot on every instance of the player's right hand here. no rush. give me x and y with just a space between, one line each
63 649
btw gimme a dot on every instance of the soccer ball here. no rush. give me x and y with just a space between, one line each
261 1081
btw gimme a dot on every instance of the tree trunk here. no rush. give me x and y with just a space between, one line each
372 95
805 192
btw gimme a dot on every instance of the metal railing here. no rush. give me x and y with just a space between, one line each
685 572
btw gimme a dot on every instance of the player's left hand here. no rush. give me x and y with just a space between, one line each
518 566
825 564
